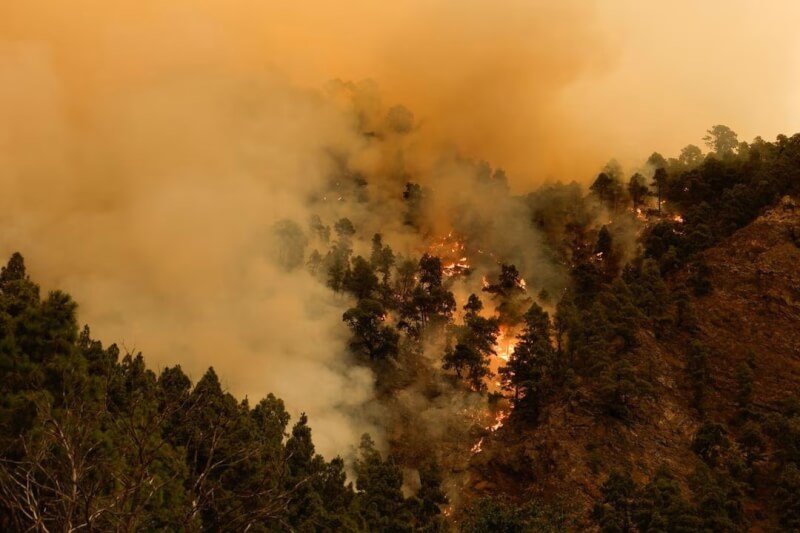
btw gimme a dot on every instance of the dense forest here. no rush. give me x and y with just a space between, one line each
506 338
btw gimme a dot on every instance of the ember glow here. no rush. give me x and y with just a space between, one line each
452 251
477 447
499 420
498 423
506 342
504 347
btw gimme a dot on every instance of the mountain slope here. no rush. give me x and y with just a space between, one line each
751 316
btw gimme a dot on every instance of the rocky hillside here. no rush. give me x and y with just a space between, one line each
750 318
754 309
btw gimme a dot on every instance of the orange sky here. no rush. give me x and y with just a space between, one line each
543 88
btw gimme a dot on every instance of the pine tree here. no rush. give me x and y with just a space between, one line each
615 513
533 358
371 336
378 482
475 344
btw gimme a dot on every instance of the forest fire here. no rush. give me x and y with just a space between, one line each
477 447
450 249
506 342
455 268
498 423
499 420
324 261
504 348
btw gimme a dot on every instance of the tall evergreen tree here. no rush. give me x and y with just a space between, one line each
528 367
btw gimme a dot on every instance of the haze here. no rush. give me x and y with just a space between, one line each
146 148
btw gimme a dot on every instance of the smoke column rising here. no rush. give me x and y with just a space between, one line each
147 148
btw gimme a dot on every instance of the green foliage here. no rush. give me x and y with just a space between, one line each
710 441
382 260
606 254
499 515
784 428
344 228
337 264
604 242
92 441
608 189
371 336
650 293
429 303
718 500
615 513
475 344
660 505
721 139
619 387
691 156
660 183
787 497
361 281
751 440
510 294
426 505
378 483
721 193
531 362
637 190
491 515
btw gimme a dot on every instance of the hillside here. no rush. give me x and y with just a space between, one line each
754 309
750 317
617 359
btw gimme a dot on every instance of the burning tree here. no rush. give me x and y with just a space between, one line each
511 294
430 303
530 362
476 342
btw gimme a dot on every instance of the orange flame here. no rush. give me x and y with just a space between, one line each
506 342
504 348
451 250
477 447
498 423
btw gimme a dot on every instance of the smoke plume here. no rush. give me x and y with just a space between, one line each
147 150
